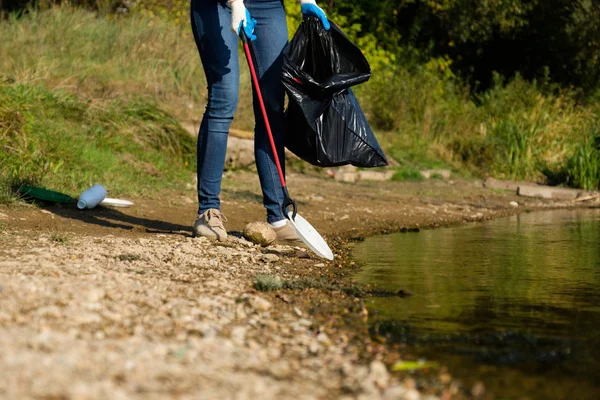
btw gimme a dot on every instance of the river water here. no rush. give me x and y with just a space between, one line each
513 302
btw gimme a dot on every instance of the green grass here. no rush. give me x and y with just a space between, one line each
267 283
583 168
408 173
59 238
108 57
53 139
129 257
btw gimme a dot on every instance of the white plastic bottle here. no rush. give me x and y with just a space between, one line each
91 197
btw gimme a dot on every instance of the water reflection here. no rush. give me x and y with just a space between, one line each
521 292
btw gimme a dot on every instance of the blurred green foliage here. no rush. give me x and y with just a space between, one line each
560 38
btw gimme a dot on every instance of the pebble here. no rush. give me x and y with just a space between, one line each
269 257
238 334
259 304
394 393
280 369
378 374
87 319
411 394
445 378
409 383
323 338
260 233
478 390
514 204
95 295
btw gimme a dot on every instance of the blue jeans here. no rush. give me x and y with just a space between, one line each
218 47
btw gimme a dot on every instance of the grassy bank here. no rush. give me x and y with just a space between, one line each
106 57
54 139
70 74
516 130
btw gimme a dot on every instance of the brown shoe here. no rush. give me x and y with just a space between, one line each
286 235
210 225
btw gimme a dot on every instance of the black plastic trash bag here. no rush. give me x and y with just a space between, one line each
324 122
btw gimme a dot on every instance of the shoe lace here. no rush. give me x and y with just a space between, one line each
214 218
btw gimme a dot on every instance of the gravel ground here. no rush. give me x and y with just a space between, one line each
120 318
126 305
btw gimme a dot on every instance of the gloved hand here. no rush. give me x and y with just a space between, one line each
310 8
240 19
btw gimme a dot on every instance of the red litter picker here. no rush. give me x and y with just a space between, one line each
305 231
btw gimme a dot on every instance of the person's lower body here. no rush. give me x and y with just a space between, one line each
218 48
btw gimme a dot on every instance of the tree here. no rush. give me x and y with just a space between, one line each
557 39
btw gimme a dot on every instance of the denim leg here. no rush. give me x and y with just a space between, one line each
271 32
218 48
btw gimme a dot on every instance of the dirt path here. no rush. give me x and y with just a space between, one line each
119 304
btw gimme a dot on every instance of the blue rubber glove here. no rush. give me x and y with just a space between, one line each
240 19
310 8
248 27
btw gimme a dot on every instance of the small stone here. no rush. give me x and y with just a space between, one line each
269 258
238 335
346 369
514 204
411 394
323 338
378 374
314 348
260 233
49 312
409 383
394 393
259 304
280 369
478 390
87 319
4 317
346 176
445 378
375 175
95 295
297 311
